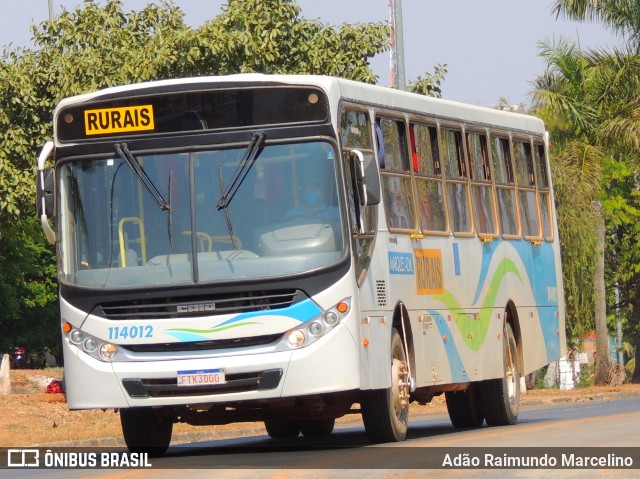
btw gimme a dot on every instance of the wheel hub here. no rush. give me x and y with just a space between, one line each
400 385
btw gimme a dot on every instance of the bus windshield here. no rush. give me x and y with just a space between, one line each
285 217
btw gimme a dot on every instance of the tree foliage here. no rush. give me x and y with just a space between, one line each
592 100
430 85
100 45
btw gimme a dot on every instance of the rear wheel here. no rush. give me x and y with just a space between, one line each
501 397
465 407
385 412
317 427
145 430
282 428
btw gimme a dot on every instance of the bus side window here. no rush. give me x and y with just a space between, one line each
505 186
396 175
428 178
455 169
526 188
481 189
544 196
355 133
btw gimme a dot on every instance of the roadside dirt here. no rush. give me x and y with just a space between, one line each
29 416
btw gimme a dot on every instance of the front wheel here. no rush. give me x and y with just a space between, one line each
145 430
385 412
501 397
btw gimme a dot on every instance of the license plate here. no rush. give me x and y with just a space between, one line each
201 377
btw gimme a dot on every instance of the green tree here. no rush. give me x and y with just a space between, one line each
430 85
619 76
592 102
622 16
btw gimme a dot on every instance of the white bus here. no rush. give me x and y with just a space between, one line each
291 249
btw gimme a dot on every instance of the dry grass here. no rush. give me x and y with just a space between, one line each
31 417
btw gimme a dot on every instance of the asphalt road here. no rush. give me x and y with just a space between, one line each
613 425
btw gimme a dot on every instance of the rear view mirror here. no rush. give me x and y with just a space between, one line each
367 178
46 192
45 189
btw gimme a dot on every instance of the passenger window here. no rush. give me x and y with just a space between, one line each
544 193
396 177
428 179
457 187
505 186
526 189
482 197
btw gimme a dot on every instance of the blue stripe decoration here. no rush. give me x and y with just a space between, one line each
456 258
458 373
302 311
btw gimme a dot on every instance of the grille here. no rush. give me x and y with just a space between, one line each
174 307
202 345
381 292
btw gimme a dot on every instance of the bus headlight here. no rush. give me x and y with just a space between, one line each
312 330
76 337
91 345
295 338
108 351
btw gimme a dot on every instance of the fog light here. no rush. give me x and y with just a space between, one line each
90 345
296 338
108 351
331 318
76 336
315 328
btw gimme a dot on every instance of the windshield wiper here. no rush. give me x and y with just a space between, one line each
250 155
127 156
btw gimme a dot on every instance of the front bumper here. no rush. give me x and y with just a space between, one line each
329 365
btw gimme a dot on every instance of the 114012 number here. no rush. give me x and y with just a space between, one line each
130 332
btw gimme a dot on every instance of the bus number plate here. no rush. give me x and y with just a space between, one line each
201 377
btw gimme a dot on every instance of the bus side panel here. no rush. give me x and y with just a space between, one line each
375 322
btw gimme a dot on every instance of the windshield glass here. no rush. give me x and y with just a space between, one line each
283 217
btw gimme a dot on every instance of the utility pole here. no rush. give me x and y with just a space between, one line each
50 10
396 60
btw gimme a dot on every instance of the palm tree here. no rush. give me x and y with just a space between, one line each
621 16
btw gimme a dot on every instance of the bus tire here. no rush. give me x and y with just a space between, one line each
465 407
317 427
501 397
145 430
282 428
385 412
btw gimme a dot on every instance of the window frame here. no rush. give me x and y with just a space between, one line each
543 184
484 183
509 185
527 189
463 179
405 174
436 178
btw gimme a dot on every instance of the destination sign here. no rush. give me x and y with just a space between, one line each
211 107
118 120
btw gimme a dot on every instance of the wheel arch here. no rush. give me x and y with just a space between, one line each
513 319
400 318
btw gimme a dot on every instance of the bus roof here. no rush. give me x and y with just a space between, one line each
338 88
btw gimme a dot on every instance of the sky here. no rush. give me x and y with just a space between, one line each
490 46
